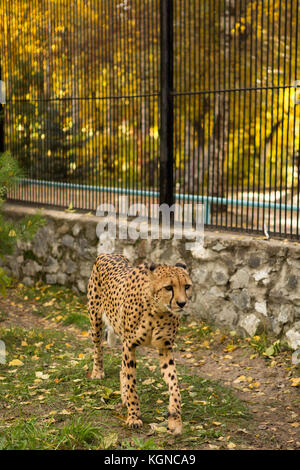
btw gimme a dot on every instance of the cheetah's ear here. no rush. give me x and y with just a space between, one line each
181 265
152 266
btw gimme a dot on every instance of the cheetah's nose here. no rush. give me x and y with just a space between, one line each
181 304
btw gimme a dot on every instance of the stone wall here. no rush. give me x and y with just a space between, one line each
241 283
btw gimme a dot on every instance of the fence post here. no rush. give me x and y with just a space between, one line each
1 122
166 86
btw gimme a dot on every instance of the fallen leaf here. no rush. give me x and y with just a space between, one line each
16 362
295 381
231 445
148 381
241 378
41 375
84 333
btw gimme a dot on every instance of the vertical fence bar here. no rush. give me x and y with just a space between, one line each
167 120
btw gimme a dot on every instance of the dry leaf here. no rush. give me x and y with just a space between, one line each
295 381
231 445
16 362
41 375
148 381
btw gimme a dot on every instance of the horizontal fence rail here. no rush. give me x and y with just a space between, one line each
165 101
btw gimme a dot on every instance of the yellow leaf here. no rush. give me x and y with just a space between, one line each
58 380
241 378
231 445
148 381
216 423
12 233
41 375
84 333
24 343
16 362
295 381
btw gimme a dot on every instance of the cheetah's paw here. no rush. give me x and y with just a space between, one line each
97 374
133 422
175 425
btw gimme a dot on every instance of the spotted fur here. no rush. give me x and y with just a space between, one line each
140 305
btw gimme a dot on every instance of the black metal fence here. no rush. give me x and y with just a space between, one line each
187 101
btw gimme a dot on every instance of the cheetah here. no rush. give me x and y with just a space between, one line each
141 305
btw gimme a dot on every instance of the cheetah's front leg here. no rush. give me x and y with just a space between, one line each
96 332
168 369
128 385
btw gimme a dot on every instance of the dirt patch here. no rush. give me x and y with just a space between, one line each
264 384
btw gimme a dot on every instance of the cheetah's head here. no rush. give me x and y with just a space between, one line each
171 286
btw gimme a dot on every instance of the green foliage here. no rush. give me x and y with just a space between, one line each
11 231
264 346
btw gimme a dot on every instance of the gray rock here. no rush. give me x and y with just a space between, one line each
76 229
62 279
292 282
69 267
227 317
250 324
240 279
68 241
51 266
86 269
41 242
286 314
51 279
220 276
81 286
31 268
241 299
218 247
261 307
293 336
64 228
27 281
262 274
254 262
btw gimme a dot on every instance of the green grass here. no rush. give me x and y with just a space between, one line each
56 302
48 401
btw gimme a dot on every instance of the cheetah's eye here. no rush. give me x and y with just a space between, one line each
169 287
187 286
